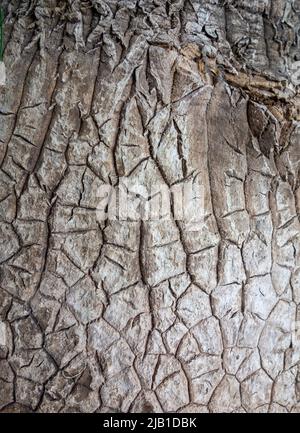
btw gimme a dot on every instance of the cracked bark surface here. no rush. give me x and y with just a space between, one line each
148 316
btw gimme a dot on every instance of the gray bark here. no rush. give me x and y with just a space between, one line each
148 316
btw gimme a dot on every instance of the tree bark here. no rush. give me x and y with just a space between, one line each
144 315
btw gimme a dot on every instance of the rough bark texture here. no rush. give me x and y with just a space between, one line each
147 316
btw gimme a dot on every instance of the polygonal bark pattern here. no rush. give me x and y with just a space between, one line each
148 316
